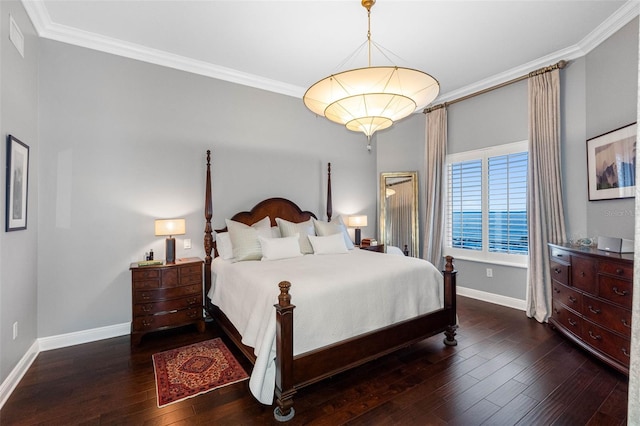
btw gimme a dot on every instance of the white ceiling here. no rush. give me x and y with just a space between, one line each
285 46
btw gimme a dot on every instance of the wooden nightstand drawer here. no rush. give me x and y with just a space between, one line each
193 269
190 279
166 293
559 254
145 274
567 318
141 309
146 284
583 272
170 319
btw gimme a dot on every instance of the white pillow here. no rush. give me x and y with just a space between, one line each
244 238
223 243
280 248
331 244
303 229
335 226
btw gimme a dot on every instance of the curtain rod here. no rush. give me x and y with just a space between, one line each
560 65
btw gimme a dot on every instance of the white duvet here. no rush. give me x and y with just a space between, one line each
337 296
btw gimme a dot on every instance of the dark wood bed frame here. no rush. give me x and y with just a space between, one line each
295 372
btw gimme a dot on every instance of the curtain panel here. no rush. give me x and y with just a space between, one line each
544 202
435 155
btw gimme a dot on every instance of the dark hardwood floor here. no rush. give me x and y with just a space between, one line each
506 370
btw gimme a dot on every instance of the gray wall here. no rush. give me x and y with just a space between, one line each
125 143
598 94
18 249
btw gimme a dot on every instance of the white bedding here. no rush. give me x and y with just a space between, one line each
336 297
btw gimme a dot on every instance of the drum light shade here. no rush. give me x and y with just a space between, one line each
170 227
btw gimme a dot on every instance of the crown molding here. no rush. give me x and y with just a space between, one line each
45 28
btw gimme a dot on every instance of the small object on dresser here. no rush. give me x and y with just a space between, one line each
366 242
151 254
149 262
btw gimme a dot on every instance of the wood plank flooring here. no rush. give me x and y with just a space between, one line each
506 370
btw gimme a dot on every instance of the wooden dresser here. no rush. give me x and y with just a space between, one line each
592 291
166 296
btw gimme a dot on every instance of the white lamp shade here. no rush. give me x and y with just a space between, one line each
357 221
170 226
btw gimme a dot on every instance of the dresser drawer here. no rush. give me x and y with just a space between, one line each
607 342
166 293
169 319
615 290
559 254
151 308
193 269
170 277
567 296
190 279
145 274
567 318
617 269
560 272
607 315
583 272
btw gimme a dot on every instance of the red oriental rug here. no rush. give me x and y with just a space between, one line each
193 370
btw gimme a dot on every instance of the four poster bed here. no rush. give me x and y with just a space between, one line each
331 333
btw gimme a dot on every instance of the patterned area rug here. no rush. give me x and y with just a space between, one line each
193 370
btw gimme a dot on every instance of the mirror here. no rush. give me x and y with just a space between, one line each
399 211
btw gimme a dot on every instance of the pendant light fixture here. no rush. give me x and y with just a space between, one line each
370 99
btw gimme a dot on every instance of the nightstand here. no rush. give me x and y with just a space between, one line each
379 248
166 296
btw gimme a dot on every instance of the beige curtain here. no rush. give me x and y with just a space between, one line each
435 150
544 202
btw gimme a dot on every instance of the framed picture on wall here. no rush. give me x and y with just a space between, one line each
17 184
611 164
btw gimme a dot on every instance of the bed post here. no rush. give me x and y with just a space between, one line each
284 355
208 238
329 202
450 301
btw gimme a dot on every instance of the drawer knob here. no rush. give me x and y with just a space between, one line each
572 299
625 351
595 336
147 308
145 296
557 270
620 293
619 271
556 290
595 311
582 274
572 322
625 322
147 322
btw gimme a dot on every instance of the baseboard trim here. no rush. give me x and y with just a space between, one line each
9 384
84 336
497 299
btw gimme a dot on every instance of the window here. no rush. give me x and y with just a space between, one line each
486 206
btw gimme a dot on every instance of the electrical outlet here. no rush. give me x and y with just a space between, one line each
489 272
187 243
15 330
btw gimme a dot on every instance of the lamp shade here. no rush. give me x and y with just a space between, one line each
170 226
357 221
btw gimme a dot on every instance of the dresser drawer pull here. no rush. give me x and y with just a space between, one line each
556 290
572 322
595 311
625 322
595 336
624 351
147 308
147 322
192 314
619 271
572 299
556 311
620 293
557 270
582 274
145 296
192 301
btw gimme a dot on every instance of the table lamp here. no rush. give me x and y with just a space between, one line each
170 227
357 222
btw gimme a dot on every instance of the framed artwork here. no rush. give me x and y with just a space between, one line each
611 164
17 184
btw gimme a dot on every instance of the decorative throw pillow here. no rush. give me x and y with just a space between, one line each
334 227
331 244
244 238
303 229
280 248
223 244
